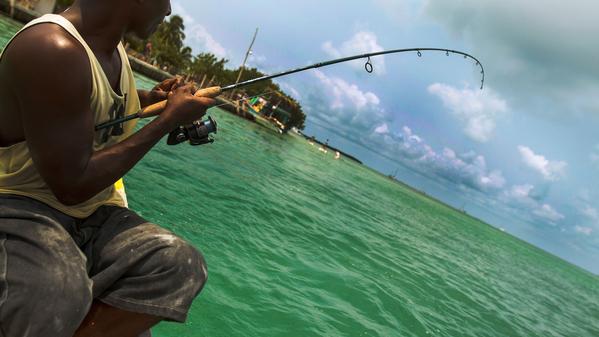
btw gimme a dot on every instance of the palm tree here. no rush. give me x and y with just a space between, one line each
168 48
207 64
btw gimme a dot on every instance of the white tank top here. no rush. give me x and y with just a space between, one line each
18 174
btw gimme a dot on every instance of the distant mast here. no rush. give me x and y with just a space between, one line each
247 55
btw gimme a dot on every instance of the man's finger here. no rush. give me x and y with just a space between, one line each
164 85
188 89
168 84
161 95
177 82
205 101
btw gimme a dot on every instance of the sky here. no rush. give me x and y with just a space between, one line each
522 154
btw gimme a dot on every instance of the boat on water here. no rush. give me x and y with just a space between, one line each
268 116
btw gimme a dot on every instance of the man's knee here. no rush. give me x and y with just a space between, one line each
187 263
158 273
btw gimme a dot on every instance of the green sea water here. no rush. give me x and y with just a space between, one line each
300 244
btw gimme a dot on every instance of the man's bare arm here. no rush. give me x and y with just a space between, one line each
53 93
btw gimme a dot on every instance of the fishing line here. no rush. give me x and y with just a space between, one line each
368 66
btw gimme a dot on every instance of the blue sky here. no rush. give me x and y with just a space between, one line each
522 154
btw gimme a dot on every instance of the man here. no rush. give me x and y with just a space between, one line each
73 260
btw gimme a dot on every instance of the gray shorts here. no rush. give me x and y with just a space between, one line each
53 266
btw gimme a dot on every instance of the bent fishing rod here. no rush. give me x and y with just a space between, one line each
213 92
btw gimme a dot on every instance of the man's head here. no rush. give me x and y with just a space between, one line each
147 15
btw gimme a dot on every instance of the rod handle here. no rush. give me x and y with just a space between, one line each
157 108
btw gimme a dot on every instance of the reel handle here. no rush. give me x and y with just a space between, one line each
157 108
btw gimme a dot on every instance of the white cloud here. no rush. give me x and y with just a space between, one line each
594 156
477 109
494 180
345 94
520 196
468 169
547 212
521 191
583 230
257 61
518 38
361 43
178 9
383 128
328 48
345 105
290 89
550 170
592 220
591 213
198 36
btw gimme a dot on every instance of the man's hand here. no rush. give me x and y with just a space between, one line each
159 92
184 108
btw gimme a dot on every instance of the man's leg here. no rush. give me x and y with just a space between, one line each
44 286
142 274
104 320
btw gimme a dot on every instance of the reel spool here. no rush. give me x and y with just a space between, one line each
197 133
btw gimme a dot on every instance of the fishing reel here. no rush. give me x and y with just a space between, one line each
197 133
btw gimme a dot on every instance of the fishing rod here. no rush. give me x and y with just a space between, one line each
141 112
197 133
368 66
213 92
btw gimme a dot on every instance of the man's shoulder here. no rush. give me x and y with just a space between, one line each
46 53
48 39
